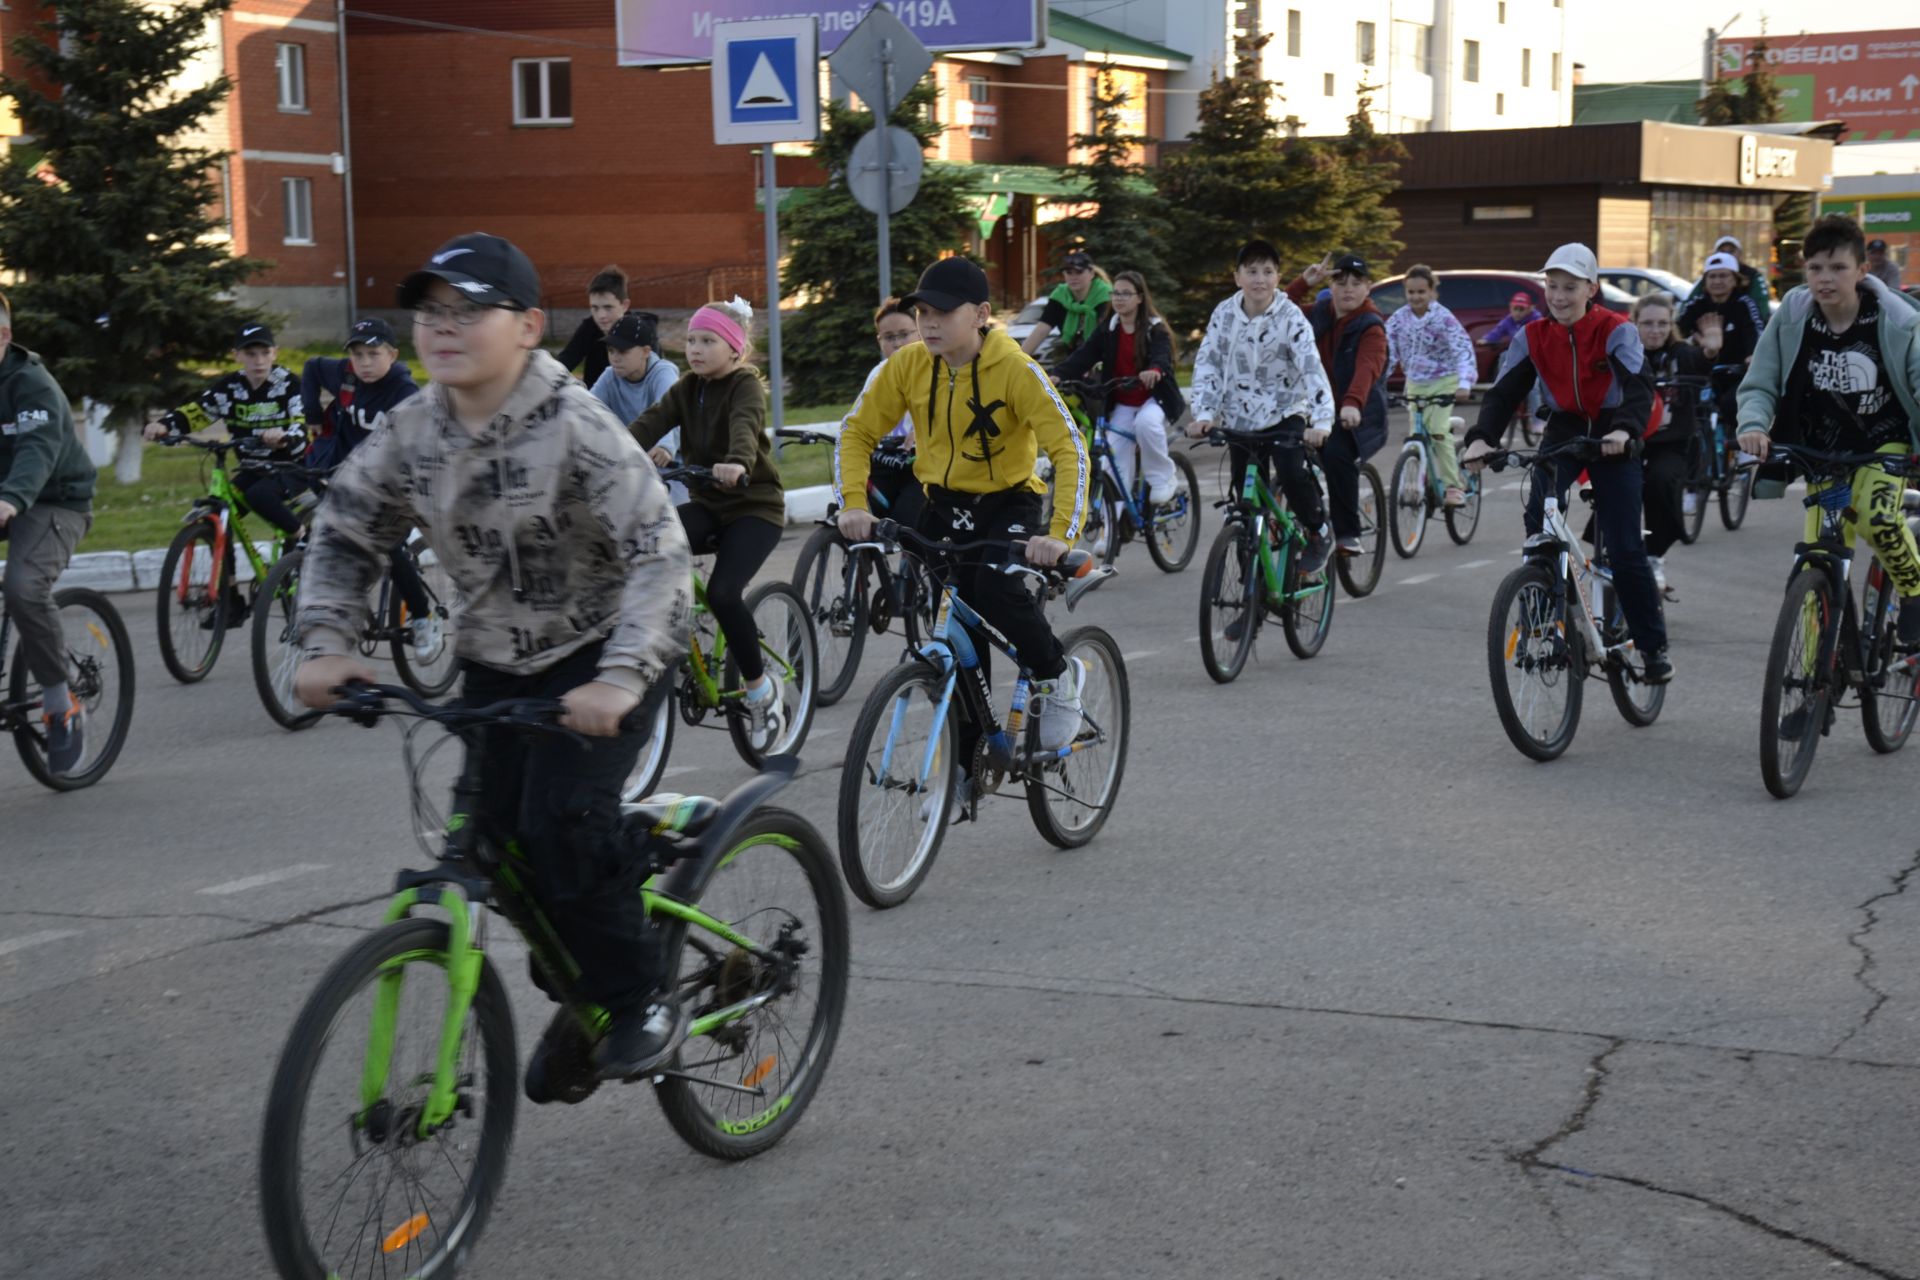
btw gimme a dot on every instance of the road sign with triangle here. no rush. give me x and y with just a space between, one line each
766 81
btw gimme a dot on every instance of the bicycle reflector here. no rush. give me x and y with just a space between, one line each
1835 498
404 1234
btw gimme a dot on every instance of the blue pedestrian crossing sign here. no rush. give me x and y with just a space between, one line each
766 80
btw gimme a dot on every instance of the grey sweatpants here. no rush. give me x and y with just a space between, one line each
40 542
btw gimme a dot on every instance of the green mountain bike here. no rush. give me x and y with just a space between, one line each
392 1107
1254 568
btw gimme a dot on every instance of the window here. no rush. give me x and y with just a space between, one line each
1526 68
1471 74
976 88
978 115
1556 73
1503 12
1500 213
1410 44
542 91
290 64
1328 81
1363 43
1293 33
1499 104
296 194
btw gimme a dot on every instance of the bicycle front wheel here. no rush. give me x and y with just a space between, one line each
897 788
1465 518
1069 799
834 589
349 1185
1888 707
99 674
652 760
1306 610
423 646
1800 691
1229 603
191 622
787 649
1534 663
276 654
1407 513
1361 574
1173 528
1101 537
1735 497
744 1081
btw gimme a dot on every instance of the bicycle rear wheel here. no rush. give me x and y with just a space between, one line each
776 888
1735 497
836 600
786 634
190 621
99 674
348 1185
1407 508
1306 612
652 760
1101 536
1069 799
276 654
1533 660
1173 528
1798 698
1465 518
1361 574
898 785
1887 698
428 669
1229 603
1693 521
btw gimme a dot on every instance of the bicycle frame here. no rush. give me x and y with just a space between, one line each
1554 545
1436 489
224 505
1258 505
703 664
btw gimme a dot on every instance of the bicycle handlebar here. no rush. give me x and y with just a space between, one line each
1095 390
1282 434
365 704
805 436
1398 399
1819 463
890 533
1580 448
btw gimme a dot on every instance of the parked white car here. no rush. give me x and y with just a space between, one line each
1640 281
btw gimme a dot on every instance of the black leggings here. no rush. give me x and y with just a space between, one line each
1287 464
739 548
1669 463
267 494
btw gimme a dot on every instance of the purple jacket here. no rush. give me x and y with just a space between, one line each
1502 333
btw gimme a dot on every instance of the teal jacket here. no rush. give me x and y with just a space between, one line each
1766 380
42 460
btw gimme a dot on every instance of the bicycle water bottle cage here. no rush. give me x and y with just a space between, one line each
1834 498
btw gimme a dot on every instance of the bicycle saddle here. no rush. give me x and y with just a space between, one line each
664 812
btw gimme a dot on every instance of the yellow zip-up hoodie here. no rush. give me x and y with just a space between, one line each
977 428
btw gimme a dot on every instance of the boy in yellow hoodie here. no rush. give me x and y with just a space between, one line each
982 410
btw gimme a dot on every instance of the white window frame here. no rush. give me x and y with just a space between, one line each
1366 43
1526 68
1294 23
1503 12
296 210
1326 84
290 69
1556 71
521 114
1470 62
1499 104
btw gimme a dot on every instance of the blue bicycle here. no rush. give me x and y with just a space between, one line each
1115 513
903 771
1418 491
1722 472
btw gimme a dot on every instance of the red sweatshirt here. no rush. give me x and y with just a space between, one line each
1370 361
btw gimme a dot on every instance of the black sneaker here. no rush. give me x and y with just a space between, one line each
561 1068
640 1040
1237 628
1659 668
1909 634
1314 558
66 737
1793 725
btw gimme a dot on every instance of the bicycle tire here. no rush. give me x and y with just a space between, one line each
920 602
289 1239
1735 498
1101 533
651 763
1810 591
1361 574
1541 594
1691 523
1181 519
866 853
101 661
839 613
797 697
181 622
1407 506
275 656
1463 520
1305 621
1224 598
1094 647
1888 708
712 1131
428 677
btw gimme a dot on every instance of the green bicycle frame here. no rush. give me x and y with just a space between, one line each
704 665
1260 503
229 525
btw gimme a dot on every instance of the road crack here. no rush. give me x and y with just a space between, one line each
1533 1158
1863 972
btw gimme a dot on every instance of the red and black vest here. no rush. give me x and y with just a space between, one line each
1572 361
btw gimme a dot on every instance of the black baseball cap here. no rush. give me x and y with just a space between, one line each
1876 244
1076 261
488 270
371 330
949 284
253 335
1352 264
634 329
1256 251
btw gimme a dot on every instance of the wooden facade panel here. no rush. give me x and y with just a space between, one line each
1626 229
1436 229
1538 157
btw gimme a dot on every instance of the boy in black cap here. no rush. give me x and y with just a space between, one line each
1076 308
574 583
637 378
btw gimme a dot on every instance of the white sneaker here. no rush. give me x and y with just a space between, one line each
962 794
764 717
1056 706
1690 502
1659 574
426 637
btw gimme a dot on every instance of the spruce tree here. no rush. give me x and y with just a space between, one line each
1754 98
124 284
828 343
1370 161
1126 225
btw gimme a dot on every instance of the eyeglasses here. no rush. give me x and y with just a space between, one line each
466 315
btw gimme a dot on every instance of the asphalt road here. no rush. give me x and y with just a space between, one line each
1346 988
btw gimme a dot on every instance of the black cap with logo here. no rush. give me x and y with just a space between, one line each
485 269
1352 264
951 283
252 335
372 331
1077 261
634 329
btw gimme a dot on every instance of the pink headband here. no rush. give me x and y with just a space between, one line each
714 320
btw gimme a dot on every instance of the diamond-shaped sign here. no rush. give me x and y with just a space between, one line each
881 60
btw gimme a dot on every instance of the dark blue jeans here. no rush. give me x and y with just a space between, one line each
1617 485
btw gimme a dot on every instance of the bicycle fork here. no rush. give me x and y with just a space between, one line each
463 960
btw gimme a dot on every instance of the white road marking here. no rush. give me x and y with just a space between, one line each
677 770
1417 579
1476 564
1511 486
265 878
26 940
1143 653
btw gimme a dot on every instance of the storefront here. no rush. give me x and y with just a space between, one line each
1642 194
1888 208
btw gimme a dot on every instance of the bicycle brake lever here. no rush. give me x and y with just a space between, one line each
1078 587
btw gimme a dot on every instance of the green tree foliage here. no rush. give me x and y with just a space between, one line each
828 343
1124 225
1753 98
125 281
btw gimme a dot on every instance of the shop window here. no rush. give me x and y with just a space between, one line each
543 91
1471 71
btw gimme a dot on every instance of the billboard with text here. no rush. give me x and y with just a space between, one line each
1870 79
656 33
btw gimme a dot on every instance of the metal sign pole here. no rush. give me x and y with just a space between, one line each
882 110
774 372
